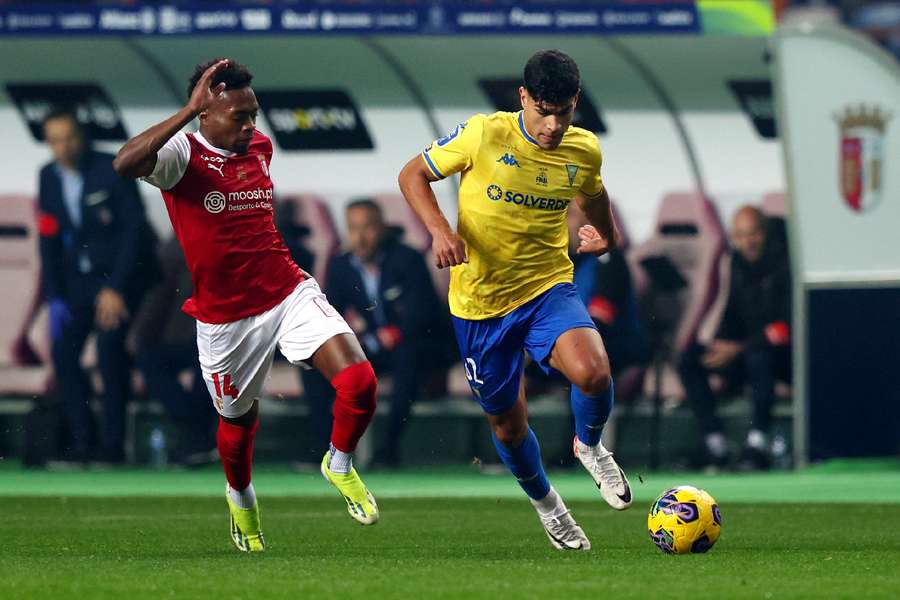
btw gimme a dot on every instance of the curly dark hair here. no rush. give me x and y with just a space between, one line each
552 76
235 75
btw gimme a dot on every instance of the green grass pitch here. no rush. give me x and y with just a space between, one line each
781 539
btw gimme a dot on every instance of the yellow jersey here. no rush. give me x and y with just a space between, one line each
513 199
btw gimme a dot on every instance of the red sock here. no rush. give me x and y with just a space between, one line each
236 451
354 405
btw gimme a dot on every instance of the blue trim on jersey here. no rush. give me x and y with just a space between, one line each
522 128
431 166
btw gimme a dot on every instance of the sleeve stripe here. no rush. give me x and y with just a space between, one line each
597 195
431 165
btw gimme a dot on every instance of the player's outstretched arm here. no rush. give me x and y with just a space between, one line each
600 236
415 182
137 157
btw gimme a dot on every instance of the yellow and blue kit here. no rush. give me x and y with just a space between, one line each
513 198
516 292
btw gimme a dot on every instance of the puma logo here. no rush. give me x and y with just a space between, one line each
215 168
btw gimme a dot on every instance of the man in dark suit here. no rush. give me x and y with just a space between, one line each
98 258
752 343
384 290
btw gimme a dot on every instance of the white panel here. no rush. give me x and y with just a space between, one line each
821 76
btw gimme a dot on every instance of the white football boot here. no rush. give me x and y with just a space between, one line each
608 476
560 526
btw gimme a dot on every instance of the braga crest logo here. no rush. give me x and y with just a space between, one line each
861 161
214 202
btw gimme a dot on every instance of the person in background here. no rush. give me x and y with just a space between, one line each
604 285
384 290
752 343
163 339
98 258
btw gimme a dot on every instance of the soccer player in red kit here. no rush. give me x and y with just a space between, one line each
249 296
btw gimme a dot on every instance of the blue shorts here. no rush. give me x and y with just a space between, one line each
493 349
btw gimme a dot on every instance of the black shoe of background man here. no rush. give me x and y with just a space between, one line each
714 463
754 459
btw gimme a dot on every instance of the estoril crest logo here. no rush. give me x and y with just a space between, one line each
862 156
214 202
571 172
509 160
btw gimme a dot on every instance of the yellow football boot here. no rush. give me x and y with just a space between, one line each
245 531
360 502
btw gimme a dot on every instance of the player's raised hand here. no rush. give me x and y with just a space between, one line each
591 241
449 250
204 94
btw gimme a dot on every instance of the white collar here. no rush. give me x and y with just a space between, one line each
199 137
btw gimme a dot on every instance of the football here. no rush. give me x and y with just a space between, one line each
684 520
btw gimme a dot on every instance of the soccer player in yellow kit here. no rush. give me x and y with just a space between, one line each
511 287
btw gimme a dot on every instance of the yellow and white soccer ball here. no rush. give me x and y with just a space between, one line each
683 520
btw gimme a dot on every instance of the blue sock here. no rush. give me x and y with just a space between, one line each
591 413
525 463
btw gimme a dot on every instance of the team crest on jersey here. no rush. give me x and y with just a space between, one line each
541 178
571 171
214 202
862 156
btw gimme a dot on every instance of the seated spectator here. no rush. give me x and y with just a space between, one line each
97 260
752 343
164 340
384 290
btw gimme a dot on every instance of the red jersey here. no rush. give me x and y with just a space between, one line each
220 205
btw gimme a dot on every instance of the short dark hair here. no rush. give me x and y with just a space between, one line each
61 112
369 204
234 75
552 76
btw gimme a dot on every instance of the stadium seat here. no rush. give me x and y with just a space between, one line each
24 339
690 235
324 242
774 204
677 274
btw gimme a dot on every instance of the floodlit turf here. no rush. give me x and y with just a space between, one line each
163 546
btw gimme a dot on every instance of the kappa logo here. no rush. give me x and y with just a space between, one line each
509 160
214 202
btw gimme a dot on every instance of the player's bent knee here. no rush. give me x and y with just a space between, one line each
511 435
594 380
359 383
